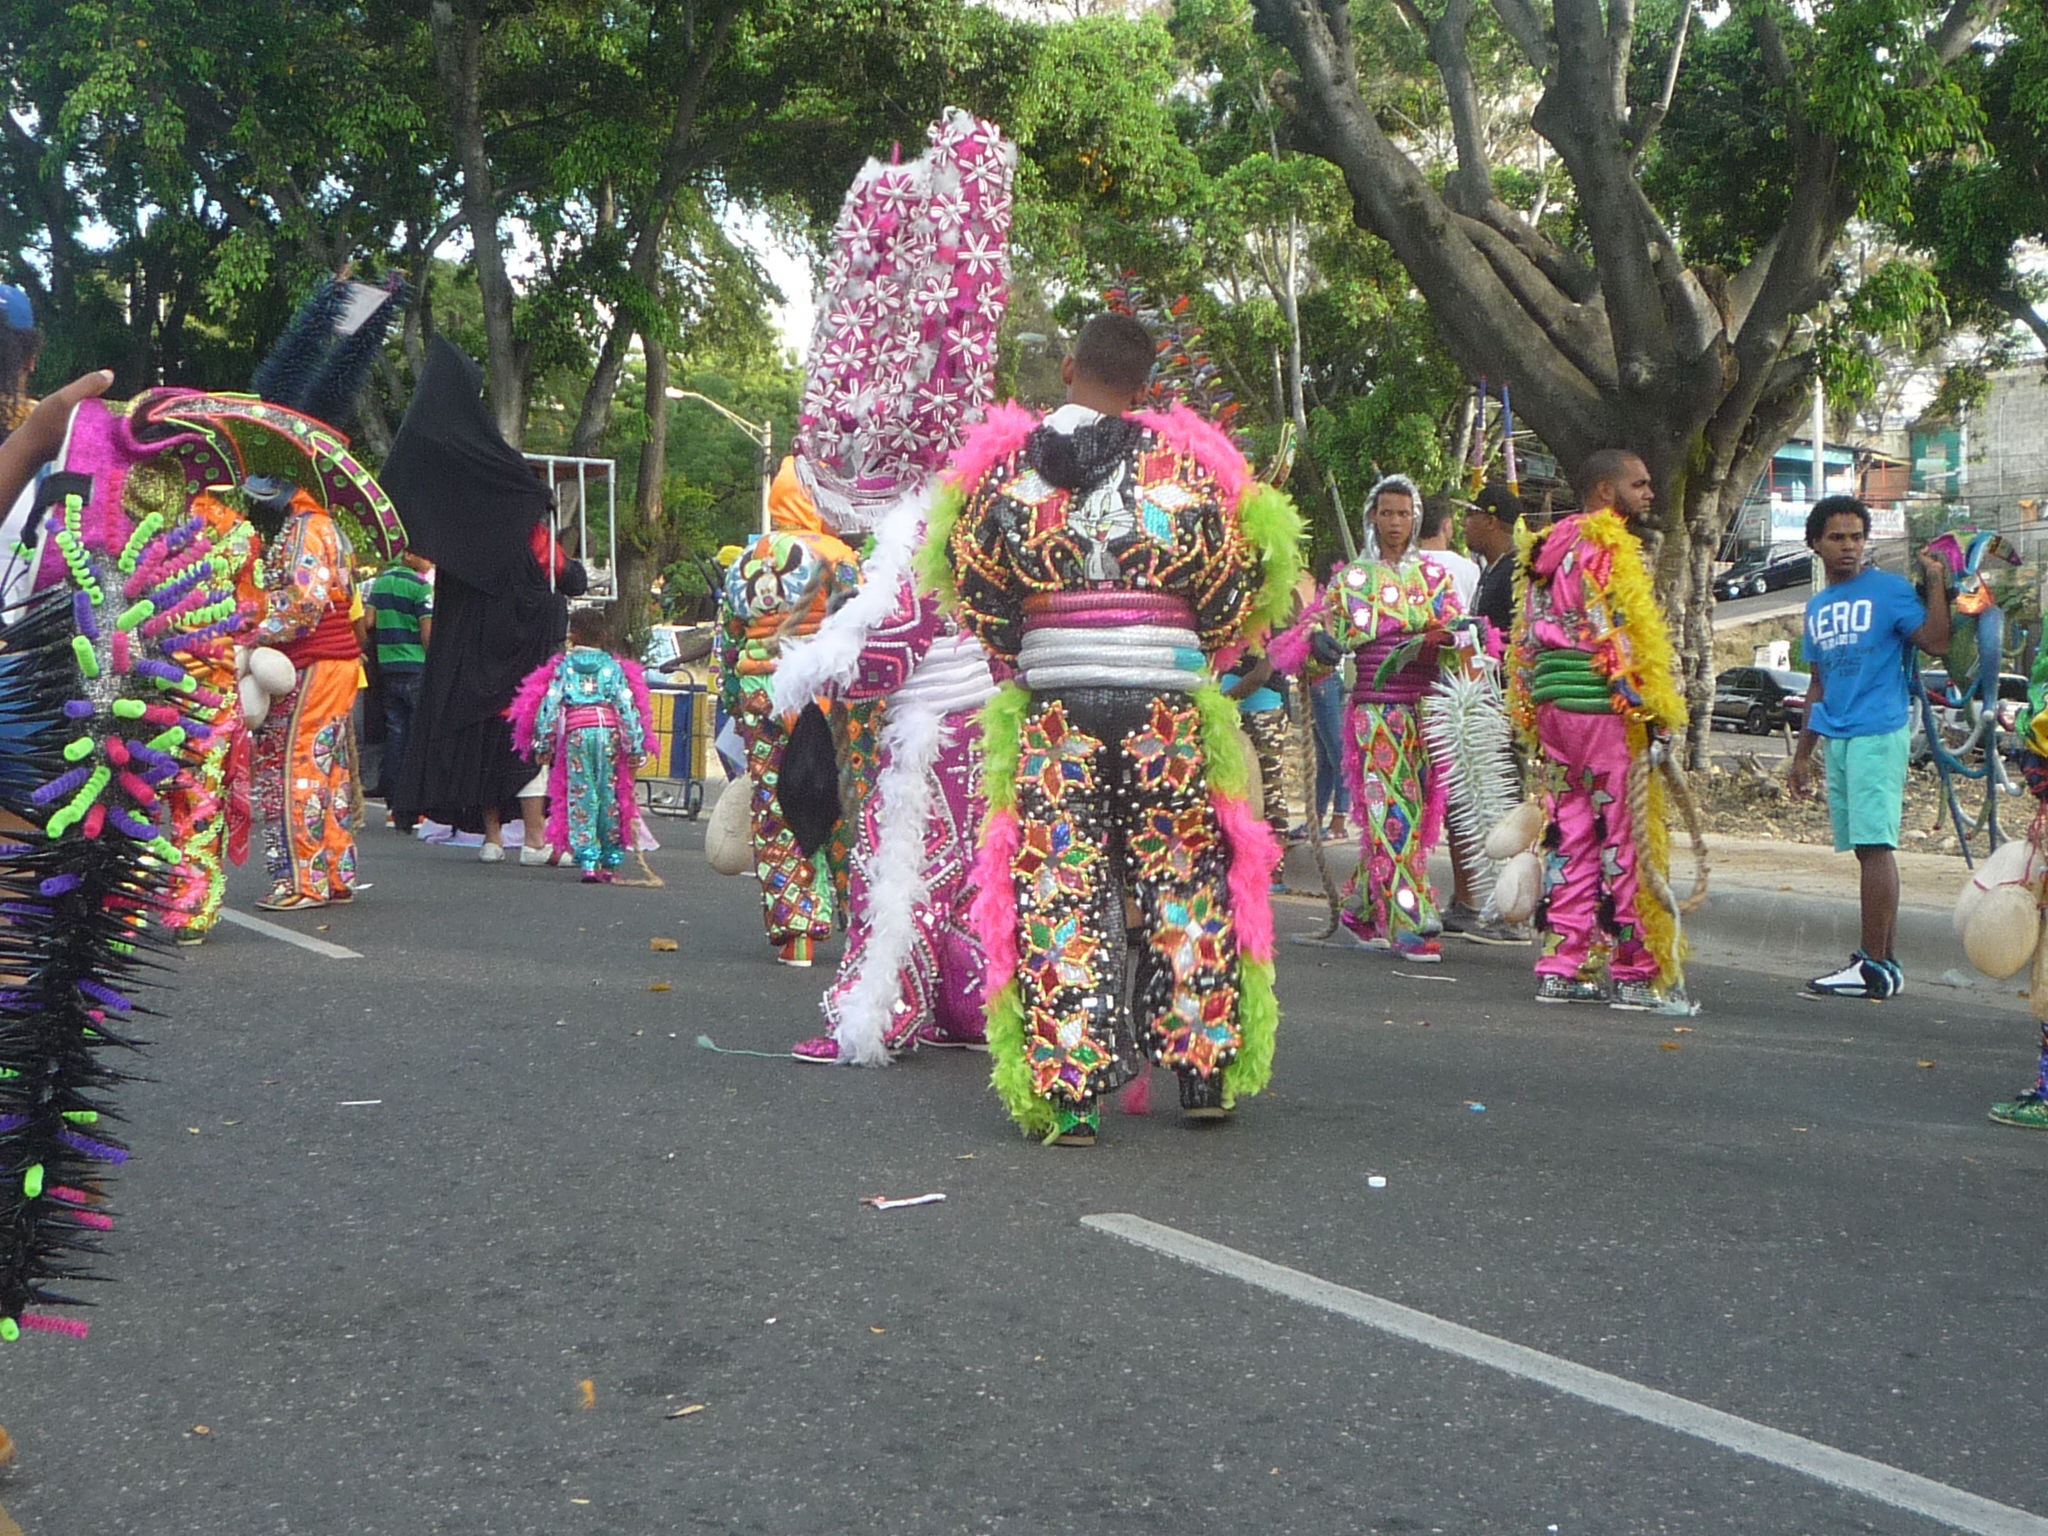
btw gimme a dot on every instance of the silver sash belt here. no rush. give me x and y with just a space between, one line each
1163 657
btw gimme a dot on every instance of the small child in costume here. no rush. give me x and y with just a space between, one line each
584 717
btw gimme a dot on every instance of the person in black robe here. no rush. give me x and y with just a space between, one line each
471 504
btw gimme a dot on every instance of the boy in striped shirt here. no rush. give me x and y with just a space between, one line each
401 618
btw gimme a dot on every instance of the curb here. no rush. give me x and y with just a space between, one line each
1779 932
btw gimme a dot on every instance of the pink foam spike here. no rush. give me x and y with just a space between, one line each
42 1322
121 651
95 821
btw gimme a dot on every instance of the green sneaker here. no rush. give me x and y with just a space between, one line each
2029 1111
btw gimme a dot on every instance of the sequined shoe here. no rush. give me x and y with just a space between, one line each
797 953
2029 1111
1417 951
1074 1127
1201 1098
1569 989
1638 997
819 1048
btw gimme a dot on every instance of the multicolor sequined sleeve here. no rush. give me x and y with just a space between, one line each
306 584
547 722
1225 577
991 601
632 729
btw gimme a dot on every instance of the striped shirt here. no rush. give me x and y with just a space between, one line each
400 598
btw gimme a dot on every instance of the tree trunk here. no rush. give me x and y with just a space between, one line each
458 46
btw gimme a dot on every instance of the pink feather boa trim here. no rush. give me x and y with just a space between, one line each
1001 434
993 912
1182 429
1254 856
1289 650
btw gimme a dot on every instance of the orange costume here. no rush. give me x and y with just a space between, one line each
303 789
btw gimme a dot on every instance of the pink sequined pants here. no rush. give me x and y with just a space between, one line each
1589 875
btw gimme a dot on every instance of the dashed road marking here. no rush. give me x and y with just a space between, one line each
1841 1469
279 931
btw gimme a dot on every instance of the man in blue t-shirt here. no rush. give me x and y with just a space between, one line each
1859 628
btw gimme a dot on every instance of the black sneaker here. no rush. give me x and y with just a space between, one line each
1201 1098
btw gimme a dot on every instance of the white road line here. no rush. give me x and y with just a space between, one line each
1854 1474
279 931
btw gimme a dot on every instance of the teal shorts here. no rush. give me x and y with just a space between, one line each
1867 788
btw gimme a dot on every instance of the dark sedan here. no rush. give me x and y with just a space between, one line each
1762 571
1760 700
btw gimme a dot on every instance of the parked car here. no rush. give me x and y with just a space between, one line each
1760 700
1954 724
1764 570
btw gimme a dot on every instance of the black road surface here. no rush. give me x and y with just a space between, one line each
383 1314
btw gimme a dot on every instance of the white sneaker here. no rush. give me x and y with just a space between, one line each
544 854
492 853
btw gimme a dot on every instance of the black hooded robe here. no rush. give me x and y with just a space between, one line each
470 503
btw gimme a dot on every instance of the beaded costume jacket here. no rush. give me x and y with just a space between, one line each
1153 520
307 569
1373 599
586 677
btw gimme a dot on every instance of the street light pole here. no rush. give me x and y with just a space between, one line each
761 433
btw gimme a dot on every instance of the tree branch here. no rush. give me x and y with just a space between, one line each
1528 31
1470 187
1964 23
2012 303
1645 127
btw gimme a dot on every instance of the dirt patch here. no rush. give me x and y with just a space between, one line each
1746 796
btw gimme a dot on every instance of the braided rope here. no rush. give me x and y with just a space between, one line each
1647 872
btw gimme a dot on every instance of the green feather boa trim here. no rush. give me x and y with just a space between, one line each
1009 1071
1258 1018
1221 743
1002 736
1273 528
930 566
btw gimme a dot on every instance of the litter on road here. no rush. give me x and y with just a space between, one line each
883 1203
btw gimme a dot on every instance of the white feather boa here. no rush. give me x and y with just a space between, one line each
826 661
911 737
1465 727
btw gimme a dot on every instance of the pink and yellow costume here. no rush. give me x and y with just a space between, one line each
1113 762
1376 608
1591 677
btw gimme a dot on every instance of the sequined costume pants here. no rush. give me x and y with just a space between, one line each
590 771
1389 894
1589 874
198 809
1267 729
1112 797
935 990
303 790
796 891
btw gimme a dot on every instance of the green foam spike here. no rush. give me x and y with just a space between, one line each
129 709
78 748
32 1181
88 659
136 614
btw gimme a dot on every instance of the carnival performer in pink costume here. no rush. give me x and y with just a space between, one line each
1592 685
917 286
